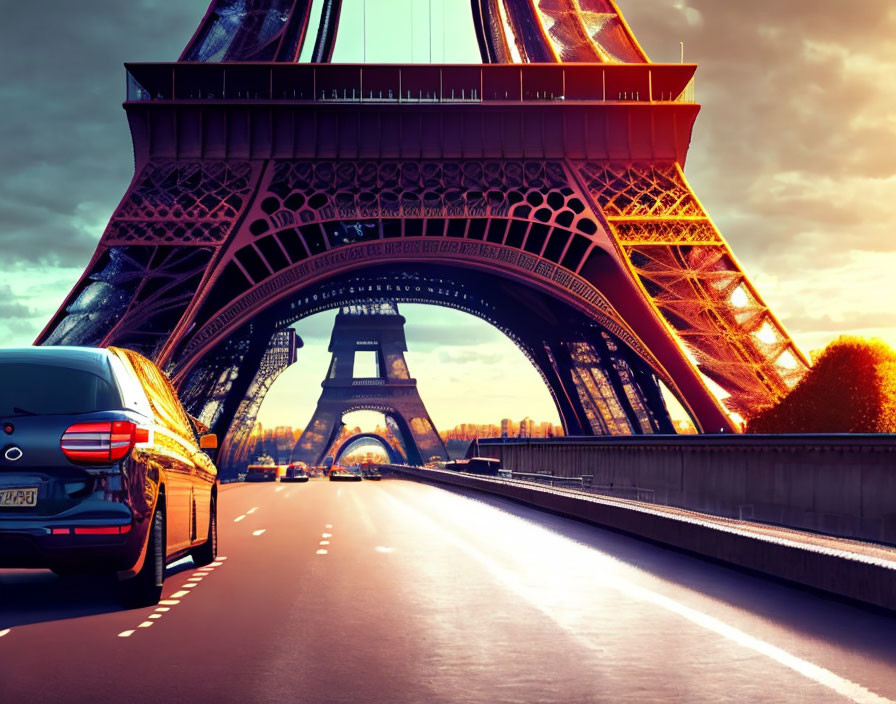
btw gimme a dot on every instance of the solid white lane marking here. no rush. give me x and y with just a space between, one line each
170 602
163 608
326 535
321 552
251 510
4 632
535 596
381 548
259 532
279 488
178 595
126 634
324 542
154 616
145 624
239 518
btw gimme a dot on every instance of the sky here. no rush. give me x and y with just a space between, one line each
793 155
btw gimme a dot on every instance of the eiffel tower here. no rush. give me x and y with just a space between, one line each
542 190
377 329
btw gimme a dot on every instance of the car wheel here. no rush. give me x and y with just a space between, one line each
145 589
208 551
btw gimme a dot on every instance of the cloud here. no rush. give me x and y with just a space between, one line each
67 157
470 355
794 152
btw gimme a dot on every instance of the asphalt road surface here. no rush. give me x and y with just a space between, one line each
395 591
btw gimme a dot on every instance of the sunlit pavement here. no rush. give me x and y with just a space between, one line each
394 591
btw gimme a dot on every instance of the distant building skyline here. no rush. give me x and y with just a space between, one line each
279 440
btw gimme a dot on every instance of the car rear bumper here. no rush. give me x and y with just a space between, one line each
96 543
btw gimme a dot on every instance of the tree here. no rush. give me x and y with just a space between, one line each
851 388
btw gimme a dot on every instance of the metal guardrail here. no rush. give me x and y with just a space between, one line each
878 441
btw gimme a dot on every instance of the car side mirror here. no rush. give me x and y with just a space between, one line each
208 442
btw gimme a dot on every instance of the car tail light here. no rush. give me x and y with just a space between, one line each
92 530
101 530
101 443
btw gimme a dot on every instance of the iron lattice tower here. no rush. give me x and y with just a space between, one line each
377 329
542 191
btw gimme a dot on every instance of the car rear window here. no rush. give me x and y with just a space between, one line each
40 389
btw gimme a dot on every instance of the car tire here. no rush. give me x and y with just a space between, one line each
208 551
145 588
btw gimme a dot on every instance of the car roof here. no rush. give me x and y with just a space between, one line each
90 359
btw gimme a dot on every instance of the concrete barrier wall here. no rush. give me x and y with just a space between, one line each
843 485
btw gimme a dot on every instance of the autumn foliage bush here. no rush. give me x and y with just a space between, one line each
851 388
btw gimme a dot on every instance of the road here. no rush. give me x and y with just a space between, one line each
395 591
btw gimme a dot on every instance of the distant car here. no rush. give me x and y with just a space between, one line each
341 474
370 472
262 470
476 465
101 469
295 472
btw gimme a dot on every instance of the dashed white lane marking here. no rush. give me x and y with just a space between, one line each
239 518
279 488
251 510
4 632
321 552
324 542
165 604
329 525
326 535
259 532
381 548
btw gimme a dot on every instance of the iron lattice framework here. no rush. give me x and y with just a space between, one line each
548 198
235 449
376 328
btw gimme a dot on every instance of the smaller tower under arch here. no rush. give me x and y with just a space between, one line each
377 328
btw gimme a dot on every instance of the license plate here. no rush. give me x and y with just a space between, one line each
14 498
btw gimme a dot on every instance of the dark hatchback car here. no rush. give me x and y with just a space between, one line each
296 472
101 469
341 474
